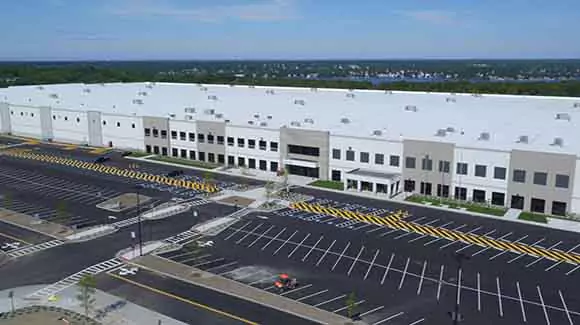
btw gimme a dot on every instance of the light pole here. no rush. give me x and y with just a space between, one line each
455 315
140 227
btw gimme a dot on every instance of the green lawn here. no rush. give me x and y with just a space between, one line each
185 162
535 217
139 154
472 207
333 185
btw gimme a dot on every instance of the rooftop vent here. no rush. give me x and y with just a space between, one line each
441 133
450 129
219 115
209 111
227 121
558 142
484 136
563 116
256 115
344 120
40 88
378 132
171 115
149 86
189 117
349 95
450 100
309 121
138 101
411 108
251 122
251 86
212 97
142 93
523 139
263 124
388 92
53 95
314 89
270 91
86 90
299 102
576 105
269 117
189 109
203 88
295 123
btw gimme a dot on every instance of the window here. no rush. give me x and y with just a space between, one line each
442 190
148 148
221 159
350 155
410 162
132 124
79 120
201 156
262 144
379 159
425 188
147 131
220 139
53 117
251 143
517 202
231 160
163 134
191 136
335 175
192 154
479 196
427 163
173 135
200 138
559 208
461 168
273 166
538 205
364 157
118 124
273 146
231 141
174 152
241 142
497 198
444 166
155 133
211 157
540 178
252 163
241 161
163 151
480 170
336 154
519 176
183 153
562 181
210 138
304 150
263 165
409 185
460 193
156 150
66 118
499 173
182 136
394 160
31 114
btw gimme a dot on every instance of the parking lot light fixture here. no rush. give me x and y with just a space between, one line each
139 225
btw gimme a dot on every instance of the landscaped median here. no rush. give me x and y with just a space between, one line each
458 205
333 185
185 162
535 217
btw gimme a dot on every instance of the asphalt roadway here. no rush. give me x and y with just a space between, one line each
188 303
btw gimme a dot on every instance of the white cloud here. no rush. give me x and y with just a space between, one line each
441 17
263 10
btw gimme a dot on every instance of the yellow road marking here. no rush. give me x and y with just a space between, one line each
14 238
187 301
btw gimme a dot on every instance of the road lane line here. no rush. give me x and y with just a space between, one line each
284 243
251 232
311 249
478 292
388 318
499 297
298 246
388 267
260 237
565 307
459 273
325 252
371 265
237 230
329 300
184 300
312 295
422 277
368 312
273 238
355 260
404 273
345 307
521 302
340 256
543 305
440 281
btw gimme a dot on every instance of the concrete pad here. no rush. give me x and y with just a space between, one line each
25 221
123 202
239 200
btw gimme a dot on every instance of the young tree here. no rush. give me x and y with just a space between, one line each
285 179
268 190
61 212
350 305
86 293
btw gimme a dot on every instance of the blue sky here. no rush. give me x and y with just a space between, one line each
288 29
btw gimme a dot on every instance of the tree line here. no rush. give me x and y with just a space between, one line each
13 75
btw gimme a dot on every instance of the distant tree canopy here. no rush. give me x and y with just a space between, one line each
23 74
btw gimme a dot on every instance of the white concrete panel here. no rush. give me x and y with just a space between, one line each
123 131
182 126
25 121
575 206
256 134
371 146
70 126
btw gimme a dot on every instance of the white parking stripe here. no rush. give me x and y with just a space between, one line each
478 292
371 311
297 289
467 246
371 265
388 318
417 321
404 235
388 267
388 232
459 272
312 295
211 269
441 238
325 252
521 302
284 243
556 264
345 307
260 237
488 247
363 226
237 230
543 305
420 237
541 258
504 252
500 306
329 300
208 262
440 281
376 229
565 307
298 246
522 255
422 277
573 270
249 233
404 273
340 256
274 238
270 277
355 260
311 249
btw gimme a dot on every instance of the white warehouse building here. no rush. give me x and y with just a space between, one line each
514 151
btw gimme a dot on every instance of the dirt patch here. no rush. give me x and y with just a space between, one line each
123 202
237 200
26 221
44 316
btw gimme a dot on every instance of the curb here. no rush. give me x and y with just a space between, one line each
103 233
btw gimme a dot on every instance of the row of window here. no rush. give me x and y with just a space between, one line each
22 113
251 143
364 157
211 157
78 119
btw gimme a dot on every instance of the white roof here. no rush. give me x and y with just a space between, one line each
504 117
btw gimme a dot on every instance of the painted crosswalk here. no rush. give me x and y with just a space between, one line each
75 278
35 248
395 221
182 237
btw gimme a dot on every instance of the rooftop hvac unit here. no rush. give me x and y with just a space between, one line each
209 111
138 101
349 95
269 117
232 85
563 116
270 91
377 132
388 92
143 93
251 86
411 108
263 124
450 129
484 136
441 133
450 100
40 88
309 121
203 88
558 142
189 109
212 97
299 102
344 120
523 139
251 122
256 115
576 105
53 95
314 89
219 115
171 115
227 121
295 123
149 86
188 117
86 90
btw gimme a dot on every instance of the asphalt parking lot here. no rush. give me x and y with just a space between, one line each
189 303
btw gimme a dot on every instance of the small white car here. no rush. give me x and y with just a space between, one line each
208 243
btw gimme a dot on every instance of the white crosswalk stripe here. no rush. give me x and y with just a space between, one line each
35 248
181 237
126 222
75 278
198 202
